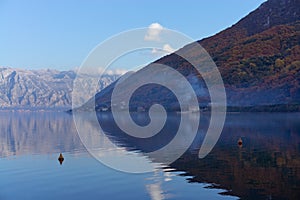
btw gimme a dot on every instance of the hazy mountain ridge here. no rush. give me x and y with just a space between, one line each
258 57
45 89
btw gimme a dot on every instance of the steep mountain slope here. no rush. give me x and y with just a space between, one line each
259 60
34 89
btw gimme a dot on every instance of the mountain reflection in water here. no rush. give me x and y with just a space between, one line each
265 166
37 133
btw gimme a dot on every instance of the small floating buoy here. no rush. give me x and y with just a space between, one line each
61 158
240 142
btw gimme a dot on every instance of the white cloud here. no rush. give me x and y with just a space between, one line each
116 72
156 51
166 49
100 70
153 33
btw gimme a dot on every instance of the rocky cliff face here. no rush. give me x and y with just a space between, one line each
47 89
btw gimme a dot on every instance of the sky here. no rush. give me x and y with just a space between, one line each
60 34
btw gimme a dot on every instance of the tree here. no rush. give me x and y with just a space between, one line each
279 63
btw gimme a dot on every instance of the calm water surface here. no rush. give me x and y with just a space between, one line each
266 166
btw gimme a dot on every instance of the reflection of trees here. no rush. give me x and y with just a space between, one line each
267 165
36 133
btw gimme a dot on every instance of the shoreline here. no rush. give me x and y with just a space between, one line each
229 109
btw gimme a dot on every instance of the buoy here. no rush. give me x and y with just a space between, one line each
61 158
240 142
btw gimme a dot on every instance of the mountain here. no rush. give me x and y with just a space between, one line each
258 58
43 89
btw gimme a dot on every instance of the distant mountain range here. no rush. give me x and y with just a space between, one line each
258 57
44 89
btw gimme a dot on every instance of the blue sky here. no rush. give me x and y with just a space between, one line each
59 34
